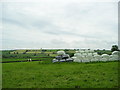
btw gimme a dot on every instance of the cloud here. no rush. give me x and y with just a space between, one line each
60 25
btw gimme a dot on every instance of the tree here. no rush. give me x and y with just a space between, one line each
24 52
103 49
114 48
35 54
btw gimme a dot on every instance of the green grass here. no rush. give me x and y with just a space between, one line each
52 55
60 75
32 52
24 59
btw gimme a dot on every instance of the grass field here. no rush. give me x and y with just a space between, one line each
41 74
24 59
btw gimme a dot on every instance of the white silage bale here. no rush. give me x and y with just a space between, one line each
68 55
60 52
84 54
91 51
104 57
90 54
93 59
90 57
80 54
119 57
115 57
86 51
116 53
75 59
76 51
80 58
98 57
107 57
95 53
81 51
76 54
111 58
85 59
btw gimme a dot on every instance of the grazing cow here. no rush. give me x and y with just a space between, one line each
29 60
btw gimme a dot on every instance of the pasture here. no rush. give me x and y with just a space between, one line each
44 74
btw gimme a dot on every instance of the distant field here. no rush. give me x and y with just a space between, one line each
35 54
44 74
24 59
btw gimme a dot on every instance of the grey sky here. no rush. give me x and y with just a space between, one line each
60 24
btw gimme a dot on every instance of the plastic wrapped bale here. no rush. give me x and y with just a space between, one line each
90 57
54 60
119 57
116 53
81 51
57 59
66 56
95 53
62 57
60 52
90 54
84 59
115 57
91 51
97 57
111 58
104 57
93 59
76 54
75 59
80 54
80 58
86 51
84 54
76 51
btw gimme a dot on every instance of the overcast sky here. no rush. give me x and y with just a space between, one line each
63 24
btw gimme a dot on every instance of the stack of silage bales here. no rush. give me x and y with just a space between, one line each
104 57
116 55
92 56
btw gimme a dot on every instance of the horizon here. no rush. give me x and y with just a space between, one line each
51 48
